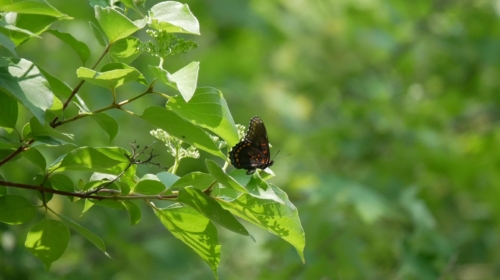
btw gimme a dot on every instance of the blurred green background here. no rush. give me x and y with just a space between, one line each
386 115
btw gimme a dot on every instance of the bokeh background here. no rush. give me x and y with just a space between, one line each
386 115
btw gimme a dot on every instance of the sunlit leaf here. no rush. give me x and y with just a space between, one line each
174 17
114 24
208 109
194 229
48 240
211 209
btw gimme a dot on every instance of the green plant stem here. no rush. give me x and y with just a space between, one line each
88 196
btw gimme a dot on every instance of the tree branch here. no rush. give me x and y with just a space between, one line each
88 196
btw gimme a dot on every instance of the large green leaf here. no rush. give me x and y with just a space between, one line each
280 219
182 129
8 110
79 47
48 240
194 229
25 82
210 208
31 7
173 17
184 80
208 109
221 176
112 75
27 26
16 210
114 24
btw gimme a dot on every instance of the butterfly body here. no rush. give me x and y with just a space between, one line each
252 151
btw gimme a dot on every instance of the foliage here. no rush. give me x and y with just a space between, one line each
198 119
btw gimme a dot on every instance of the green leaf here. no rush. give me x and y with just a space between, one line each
31 7
107 123
184 80
211 209
101 39
207 109
125 50
88 204
182 129
36 158
279 219
112 75
221 176
47 241
149 186
8 110
39 131
87 234
79 47
134 212
194 230
197 180
173 17
85 159
15 210
25 82
114 24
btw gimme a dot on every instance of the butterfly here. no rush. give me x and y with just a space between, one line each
252 151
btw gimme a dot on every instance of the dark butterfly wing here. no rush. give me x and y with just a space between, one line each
253 151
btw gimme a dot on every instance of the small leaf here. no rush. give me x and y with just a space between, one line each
134 212
25 82
149 187
57 86
211 209
184 80
48 240
174 17
107 123
194 229
8 110
182 129
125 50
207 109
87 234
258 188
8 44
79 47
36 158
114 24
15 210
277 218
197 180
112 75
221 176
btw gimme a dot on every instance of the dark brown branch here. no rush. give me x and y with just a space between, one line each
85 195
